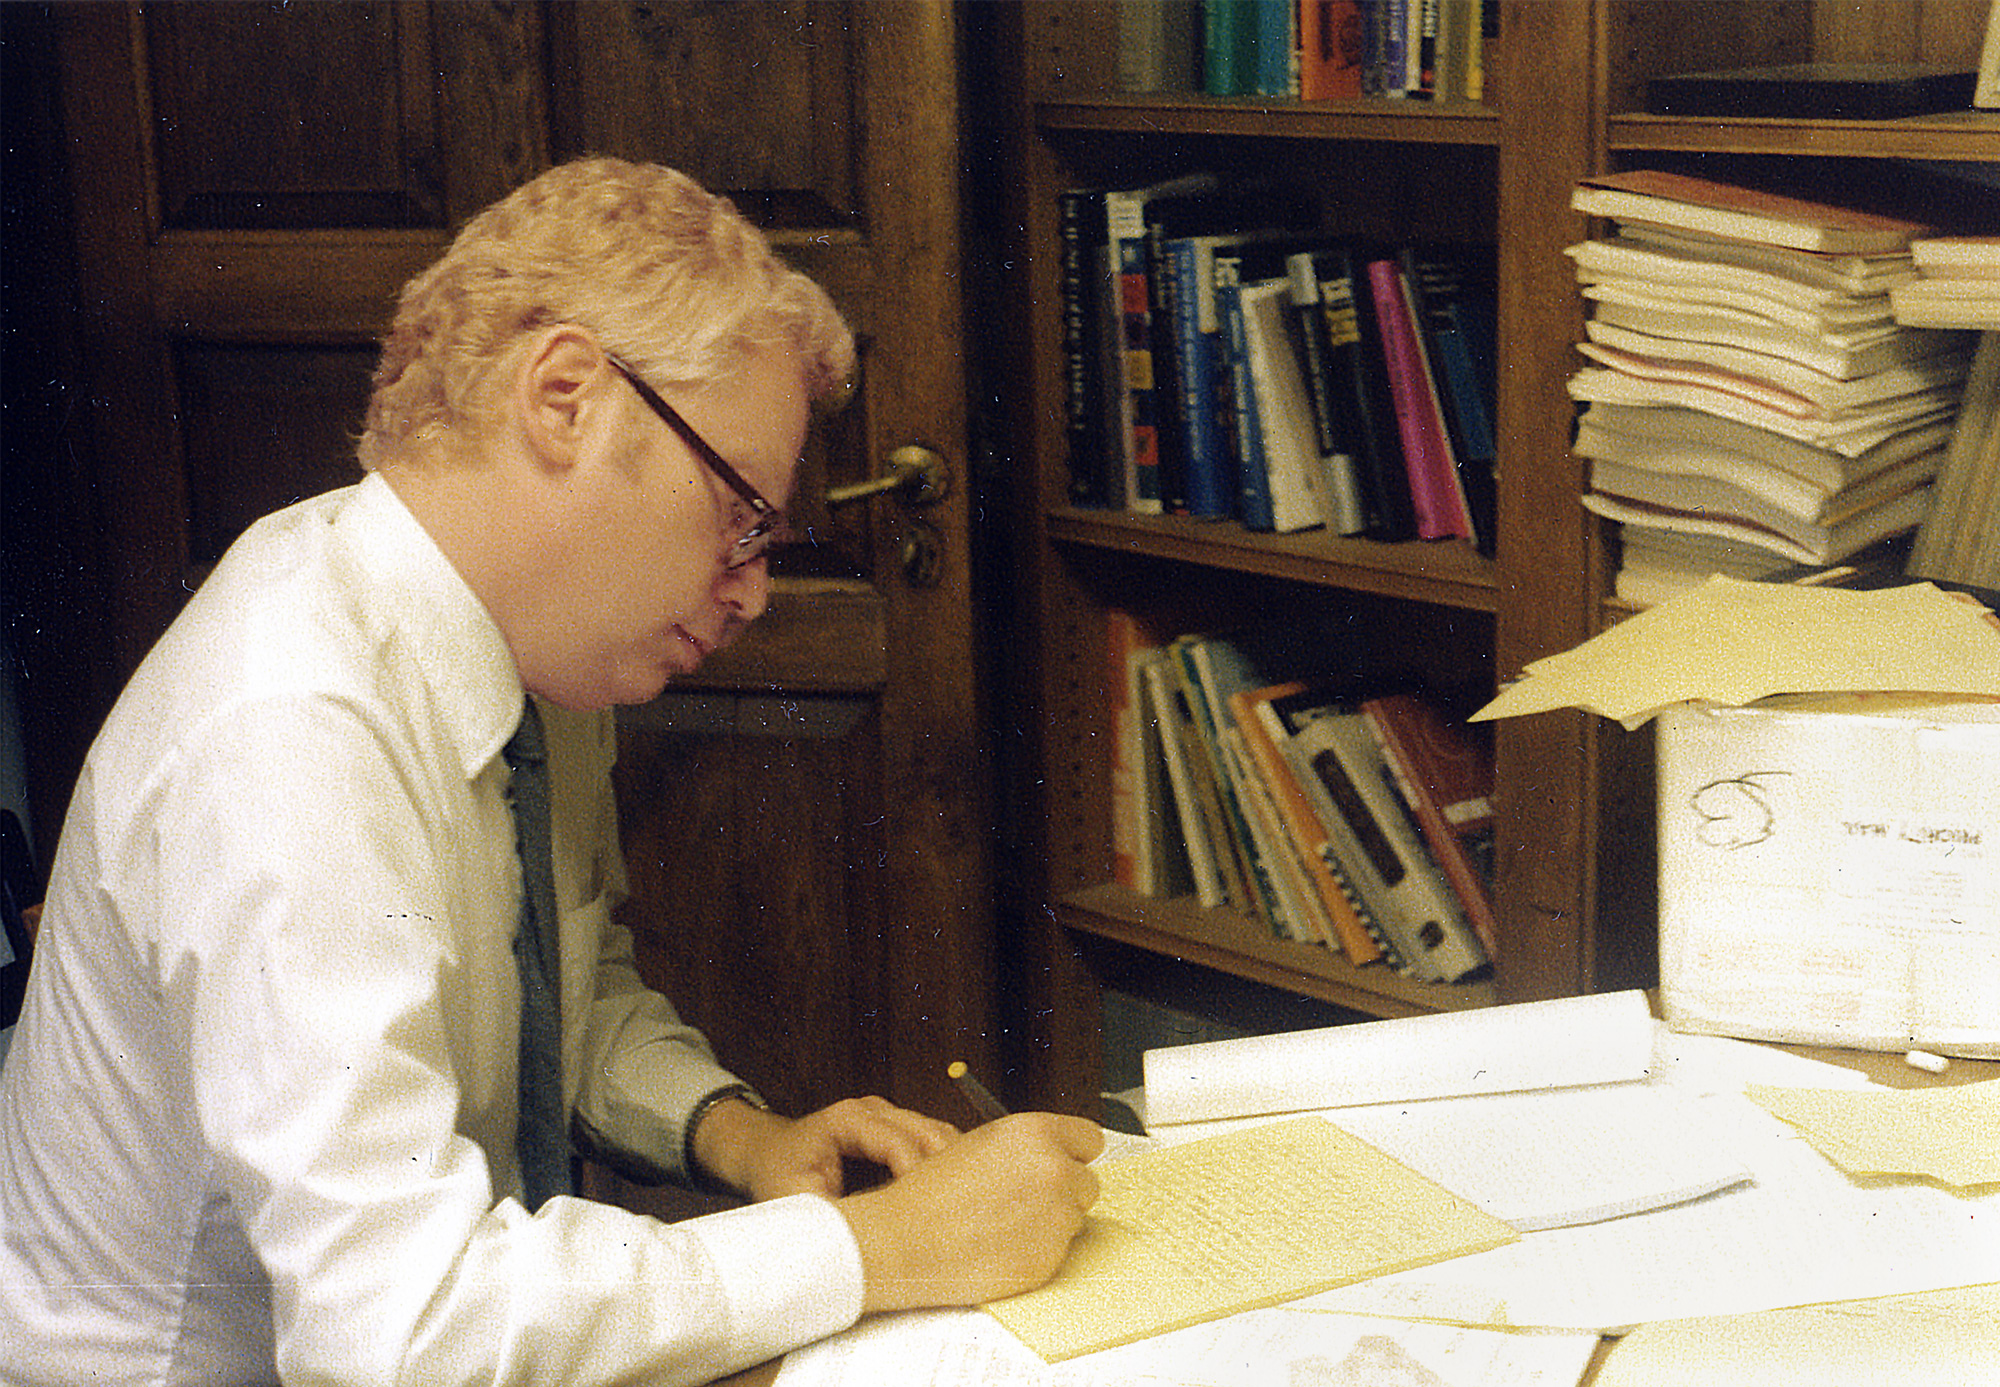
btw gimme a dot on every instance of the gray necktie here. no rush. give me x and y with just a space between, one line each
542 1138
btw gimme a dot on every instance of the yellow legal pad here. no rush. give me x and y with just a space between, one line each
1250 1218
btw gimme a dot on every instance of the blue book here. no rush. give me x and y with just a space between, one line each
1252 489
1276 74
1209 480
1228 26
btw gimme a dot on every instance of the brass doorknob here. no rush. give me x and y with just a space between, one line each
919 474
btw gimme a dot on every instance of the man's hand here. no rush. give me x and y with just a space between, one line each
767 1156
988 1215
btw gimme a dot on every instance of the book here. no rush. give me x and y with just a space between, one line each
1445 775
1296 912
1311 331
1816 389
1458 42
1245 426
1294 472
1849 436
1436 493
1386 71
1783 294
1843 354
1635 433
1957 257
1330 49
1158 48
1263 731
1454 307
1948 303
1704 507
1342 769
1228 46
1148 855
1367 406
1821 91
1275 50
1083 275
1202 377
1771 485
1250 890
1889 394
1725 209
1137 428
1856 273
1194 803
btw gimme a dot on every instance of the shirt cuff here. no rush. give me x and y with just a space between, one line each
790 1271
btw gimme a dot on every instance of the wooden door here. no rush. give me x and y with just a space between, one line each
806 822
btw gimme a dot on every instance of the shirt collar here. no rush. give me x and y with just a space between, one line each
433 630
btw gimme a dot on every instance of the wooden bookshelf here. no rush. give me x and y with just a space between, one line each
1574 846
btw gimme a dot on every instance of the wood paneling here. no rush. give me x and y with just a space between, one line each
329 111
637 76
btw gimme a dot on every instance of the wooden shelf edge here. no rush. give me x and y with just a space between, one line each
1448 573
1232 943
1186 113
1955 135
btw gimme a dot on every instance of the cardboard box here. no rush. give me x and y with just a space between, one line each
1830 871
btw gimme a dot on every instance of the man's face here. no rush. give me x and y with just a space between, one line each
650 529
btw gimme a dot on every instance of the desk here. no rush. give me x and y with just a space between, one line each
1893 1342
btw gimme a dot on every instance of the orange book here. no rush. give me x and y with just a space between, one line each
1330 49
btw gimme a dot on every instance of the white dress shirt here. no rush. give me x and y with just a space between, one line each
258 1119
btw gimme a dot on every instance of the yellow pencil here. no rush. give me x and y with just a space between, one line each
975 1092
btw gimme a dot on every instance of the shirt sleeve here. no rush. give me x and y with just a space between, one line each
339 1009
636 1074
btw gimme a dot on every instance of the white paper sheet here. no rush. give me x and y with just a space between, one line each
1258 1348
1547 1159
1801 1233
1564 1043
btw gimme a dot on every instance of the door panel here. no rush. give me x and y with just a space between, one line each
806 819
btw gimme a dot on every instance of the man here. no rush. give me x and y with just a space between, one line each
260 1118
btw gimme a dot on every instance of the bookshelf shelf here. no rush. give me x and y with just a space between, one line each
1407 122
1972 136
1235 944
1447 573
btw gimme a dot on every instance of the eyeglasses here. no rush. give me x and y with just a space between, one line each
754 542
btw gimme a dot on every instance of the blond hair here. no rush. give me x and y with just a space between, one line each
666 275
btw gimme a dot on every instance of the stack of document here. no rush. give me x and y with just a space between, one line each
1752 404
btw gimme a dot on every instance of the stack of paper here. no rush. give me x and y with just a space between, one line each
1747 381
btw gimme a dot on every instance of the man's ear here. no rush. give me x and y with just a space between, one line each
558 386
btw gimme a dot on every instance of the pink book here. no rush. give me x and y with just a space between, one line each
1435 492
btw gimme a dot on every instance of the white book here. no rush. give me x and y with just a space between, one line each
1294 896
1701 492
1746 310
1163 693
1844 356
1850 436
1340 767
1957 257
1619 258
1782 491
1819 389
1894 517
1294 470
1860 273
1623 432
